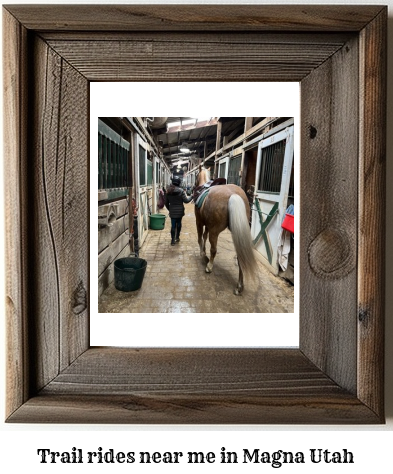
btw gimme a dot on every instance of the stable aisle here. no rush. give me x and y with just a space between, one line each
176 282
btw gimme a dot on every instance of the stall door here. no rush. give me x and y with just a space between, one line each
223 168
113 163
234 169
273 175
144 176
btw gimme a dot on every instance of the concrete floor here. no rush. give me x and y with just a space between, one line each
176 282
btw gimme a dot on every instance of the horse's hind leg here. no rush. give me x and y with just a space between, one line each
213 251
240 284
201 244
205 234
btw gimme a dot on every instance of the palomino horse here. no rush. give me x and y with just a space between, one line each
226 206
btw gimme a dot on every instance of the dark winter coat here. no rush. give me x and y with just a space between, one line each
174 199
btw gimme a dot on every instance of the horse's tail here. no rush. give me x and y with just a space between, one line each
241 235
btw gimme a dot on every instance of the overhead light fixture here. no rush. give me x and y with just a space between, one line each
184 148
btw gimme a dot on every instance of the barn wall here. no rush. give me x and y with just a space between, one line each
113 242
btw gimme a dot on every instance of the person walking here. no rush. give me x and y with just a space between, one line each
174 202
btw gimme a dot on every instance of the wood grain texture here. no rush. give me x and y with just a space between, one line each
328 248
109 255
223 37
58 186
335 377
372 198
194 386
186 59
16 229
195 18
220 409
107 235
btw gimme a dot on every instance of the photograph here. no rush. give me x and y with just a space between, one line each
196 214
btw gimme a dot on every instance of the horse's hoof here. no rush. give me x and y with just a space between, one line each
209 268
238 292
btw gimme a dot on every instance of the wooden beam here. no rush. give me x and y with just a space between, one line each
303 18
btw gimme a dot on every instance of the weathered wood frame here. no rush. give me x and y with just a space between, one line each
338 53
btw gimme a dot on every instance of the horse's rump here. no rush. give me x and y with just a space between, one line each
215 207
227 206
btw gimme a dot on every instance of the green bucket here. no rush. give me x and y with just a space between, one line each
129 273
157 221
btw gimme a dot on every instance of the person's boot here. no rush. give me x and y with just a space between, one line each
177 237
173 237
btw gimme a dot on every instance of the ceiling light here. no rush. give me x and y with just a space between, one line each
184 148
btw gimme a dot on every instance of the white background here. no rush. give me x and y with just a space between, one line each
196 330
371 445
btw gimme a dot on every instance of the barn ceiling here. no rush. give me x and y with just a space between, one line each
187 139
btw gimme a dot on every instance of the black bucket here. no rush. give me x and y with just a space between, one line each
129 273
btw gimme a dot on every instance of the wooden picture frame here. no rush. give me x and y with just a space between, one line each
338 54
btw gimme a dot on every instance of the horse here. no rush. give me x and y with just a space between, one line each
225 205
